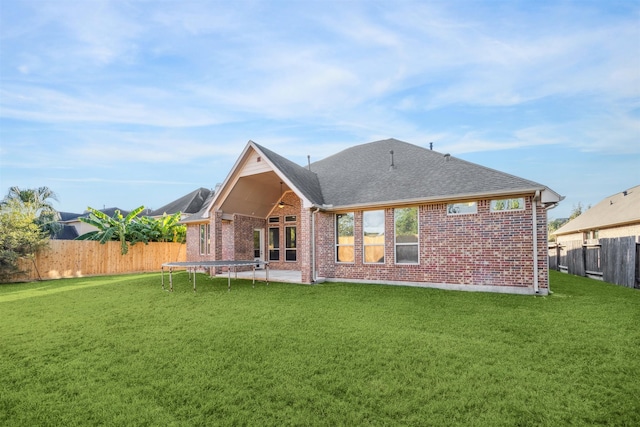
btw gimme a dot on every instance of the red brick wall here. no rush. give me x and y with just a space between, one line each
292 207
193 244
486 248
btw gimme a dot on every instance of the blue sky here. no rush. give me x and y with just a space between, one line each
129 103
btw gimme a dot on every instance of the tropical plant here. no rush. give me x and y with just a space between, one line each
132 229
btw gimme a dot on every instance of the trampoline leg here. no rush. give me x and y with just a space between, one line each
228 279
194 280
170 279
162 278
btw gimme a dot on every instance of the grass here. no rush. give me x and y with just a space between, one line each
119 351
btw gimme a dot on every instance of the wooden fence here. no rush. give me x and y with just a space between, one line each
76 258
615 260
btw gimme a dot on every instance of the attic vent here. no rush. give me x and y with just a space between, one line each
258 159
447 157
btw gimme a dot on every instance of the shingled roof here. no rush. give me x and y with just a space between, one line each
302 178
370 174
187 204
618 209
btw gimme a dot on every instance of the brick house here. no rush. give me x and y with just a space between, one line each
383 212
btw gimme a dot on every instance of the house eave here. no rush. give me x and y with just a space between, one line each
437 199
602 226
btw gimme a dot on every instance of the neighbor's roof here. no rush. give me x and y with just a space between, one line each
187 204
364 175
202 215
68 232
615 210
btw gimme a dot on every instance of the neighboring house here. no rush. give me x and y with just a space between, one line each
187 205
67 232
615 216
384 212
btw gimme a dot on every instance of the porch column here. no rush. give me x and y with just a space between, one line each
304 246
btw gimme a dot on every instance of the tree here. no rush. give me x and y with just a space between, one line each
20 236
37 201
553 225
577 211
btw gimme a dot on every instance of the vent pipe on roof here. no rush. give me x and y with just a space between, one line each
431 146
624 192
308 161
447 157
392 167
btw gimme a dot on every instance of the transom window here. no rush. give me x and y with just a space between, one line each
502 205
344 237
406 235
462 208
373 236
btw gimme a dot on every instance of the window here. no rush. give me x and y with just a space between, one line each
373 236
503 205
406 235
274 244
462 208
205 239
290 218
344 237
274 219
290 244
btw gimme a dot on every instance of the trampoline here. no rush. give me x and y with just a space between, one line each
192 266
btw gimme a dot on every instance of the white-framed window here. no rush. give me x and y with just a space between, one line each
504 205
290 218
205 239
406 235
373 236
345 237
274 219
274 244
290 244
462 208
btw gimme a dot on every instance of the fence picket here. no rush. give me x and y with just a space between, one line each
77 258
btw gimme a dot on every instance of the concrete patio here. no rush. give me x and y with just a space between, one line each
286 276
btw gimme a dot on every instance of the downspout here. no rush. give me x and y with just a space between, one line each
536 198
313 244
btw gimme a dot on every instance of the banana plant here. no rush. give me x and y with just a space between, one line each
110 228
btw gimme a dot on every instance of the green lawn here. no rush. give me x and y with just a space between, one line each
120 351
